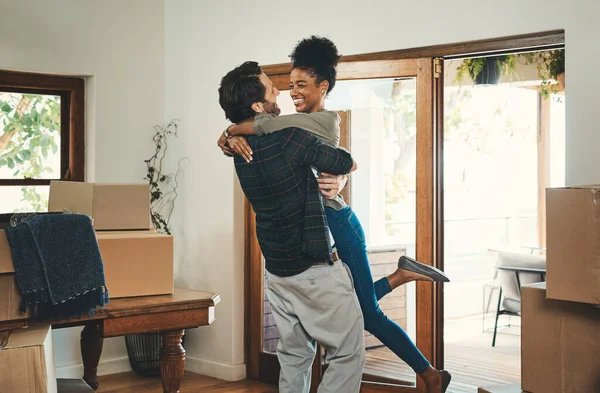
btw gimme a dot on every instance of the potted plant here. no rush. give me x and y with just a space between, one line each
487 70
143 349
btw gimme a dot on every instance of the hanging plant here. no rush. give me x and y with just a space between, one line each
487 70
551 69
163 187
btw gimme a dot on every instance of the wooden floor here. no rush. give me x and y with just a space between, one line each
192 383
473 364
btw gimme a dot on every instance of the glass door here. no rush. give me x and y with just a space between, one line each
387 112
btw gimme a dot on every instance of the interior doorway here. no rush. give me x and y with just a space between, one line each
387 111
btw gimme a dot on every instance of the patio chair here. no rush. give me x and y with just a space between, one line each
515 270
494 286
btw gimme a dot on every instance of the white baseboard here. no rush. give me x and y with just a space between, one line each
226 372
105 367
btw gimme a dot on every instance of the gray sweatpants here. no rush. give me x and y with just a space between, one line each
319 305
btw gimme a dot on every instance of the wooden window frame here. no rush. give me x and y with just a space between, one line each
555 39
72 123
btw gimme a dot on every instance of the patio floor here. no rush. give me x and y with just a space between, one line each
469 356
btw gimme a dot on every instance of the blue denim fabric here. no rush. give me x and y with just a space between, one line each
349 238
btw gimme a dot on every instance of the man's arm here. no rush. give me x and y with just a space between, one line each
304 148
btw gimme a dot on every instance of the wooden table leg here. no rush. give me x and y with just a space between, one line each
172 360
91 349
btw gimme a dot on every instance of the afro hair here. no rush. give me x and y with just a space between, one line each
319 56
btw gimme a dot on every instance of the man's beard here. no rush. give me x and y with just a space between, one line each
271 108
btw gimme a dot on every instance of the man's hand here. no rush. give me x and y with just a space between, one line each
239 145
331 185
222 143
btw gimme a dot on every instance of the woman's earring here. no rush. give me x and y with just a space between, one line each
322 91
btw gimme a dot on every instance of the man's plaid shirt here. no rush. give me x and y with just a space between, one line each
281 187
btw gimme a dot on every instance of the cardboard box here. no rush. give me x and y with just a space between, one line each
10 299
6 264
136 263
512 388
10 296
111 206
573 239
27 361
560 344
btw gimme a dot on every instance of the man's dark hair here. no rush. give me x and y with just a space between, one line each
319 57
239 89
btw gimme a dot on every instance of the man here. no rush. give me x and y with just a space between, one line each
311 295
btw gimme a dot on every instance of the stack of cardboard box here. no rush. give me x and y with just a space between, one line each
560 328
27 361
138 261
560 334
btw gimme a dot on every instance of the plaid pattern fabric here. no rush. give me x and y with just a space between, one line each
281 187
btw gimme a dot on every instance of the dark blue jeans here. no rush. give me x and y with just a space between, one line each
349 239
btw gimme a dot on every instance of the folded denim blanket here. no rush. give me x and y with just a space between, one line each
58 267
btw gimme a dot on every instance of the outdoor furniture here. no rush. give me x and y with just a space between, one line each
513 271
493 285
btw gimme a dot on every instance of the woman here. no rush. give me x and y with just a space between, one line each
312 78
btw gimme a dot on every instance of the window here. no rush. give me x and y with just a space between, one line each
41 138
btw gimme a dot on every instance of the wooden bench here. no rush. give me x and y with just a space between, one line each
167 314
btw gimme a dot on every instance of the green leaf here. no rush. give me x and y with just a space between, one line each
6 108
26 154
155 196
2 162
45 141
10 162
54 148
45 151
18 159
27 121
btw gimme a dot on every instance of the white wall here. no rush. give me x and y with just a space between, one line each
205 39
122 46
119 45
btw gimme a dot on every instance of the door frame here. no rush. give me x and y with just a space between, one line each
262 366
374 64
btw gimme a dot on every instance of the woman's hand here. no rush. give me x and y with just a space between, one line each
222 143
331 185
239 145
